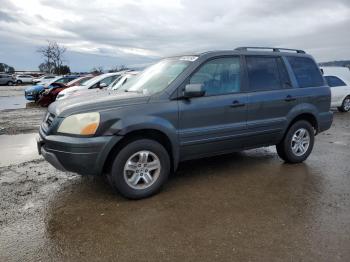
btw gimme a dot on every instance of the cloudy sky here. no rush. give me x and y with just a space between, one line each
136 32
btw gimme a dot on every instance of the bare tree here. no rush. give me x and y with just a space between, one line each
118 68
97 70
53 55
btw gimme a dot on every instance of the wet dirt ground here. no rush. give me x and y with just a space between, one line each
247 206
17 115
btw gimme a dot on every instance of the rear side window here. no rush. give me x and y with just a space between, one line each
334 81
263 73
306 71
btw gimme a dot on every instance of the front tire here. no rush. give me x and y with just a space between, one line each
345 107
10 83
19 82
140 169
297 143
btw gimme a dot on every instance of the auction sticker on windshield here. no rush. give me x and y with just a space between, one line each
189 58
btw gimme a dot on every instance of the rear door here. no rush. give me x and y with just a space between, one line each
271 97
215 122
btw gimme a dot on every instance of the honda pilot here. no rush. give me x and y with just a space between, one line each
189 107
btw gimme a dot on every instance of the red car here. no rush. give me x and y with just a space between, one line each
49 95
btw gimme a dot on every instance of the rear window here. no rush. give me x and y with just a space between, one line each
334 81
306 71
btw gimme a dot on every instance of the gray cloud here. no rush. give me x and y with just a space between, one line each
131 29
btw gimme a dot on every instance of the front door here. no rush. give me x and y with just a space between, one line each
213 123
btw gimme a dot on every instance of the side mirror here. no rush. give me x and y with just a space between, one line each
103 85
194 90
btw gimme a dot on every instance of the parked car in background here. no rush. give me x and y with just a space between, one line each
59 79
43 78
32 93
100 81
6 79
114 86
189 107
24 79
118 83
49 95
338 78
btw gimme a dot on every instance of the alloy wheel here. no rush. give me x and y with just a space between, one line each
300 142
142 169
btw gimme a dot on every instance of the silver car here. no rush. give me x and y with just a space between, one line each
6 79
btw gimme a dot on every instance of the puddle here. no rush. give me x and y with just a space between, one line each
17 149
14 102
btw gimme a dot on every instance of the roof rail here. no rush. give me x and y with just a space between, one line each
274 49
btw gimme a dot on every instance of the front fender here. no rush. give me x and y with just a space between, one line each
137 123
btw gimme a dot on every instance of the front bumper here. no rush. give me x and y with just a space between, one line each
30 97
85 156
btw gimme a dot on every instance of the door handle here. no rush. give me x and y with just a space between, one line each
236 103
289 98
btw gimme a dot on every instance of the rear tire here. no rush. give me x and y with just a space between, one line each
140 169
10 83
19 82
298 143
345 107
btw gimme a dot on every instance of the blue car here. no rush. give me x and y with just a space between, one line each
32 93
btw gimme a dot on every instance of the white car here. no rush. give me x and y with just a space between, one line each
24 79
43 79
100 82
122 80
115 85
338 78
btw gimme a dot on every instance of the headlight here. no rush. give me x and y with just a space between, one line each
80 124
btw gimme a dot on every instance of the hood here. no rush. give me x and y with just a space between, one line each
85 92
96 101
73 89
34 88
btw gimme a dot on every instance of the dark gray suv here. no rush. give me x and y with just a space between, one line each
188 107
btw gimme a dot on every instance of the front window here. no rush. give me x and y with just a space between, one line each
219 76
158 76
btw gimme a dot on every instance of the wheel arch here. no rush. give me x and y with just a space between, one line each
146 133
306 116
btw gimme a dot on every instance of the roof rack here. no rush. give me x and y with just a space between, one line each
274 49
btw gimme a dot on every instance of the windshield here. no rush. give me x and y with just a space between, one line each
110 86
157 77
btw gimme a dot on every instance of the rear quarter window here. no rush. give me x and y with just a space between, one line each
306 71
334 81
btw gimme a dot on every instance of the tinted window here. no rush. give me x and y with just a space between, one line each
263 73
219 76
61 80
334 81
306 71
